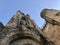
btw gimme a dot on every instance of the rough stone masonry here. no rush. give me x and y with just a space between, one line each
22 30
52 26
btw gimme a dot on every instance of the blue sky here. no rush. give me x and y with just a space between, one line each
31 7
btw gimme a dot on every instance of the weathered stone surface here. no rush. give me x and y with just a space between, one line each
22 30
52 26
1 27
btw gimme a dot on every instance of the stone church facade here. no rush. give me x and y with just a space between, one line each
22 30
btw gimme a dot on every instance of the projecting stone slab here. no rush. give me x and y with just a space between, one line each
52 16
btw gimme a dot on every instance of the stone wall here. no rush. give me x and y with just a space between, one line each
52 26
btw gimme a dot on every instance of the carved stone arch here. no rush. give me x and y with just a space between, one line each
20 37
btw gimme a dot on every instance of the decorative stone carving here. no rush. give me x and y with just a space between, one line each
22 30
